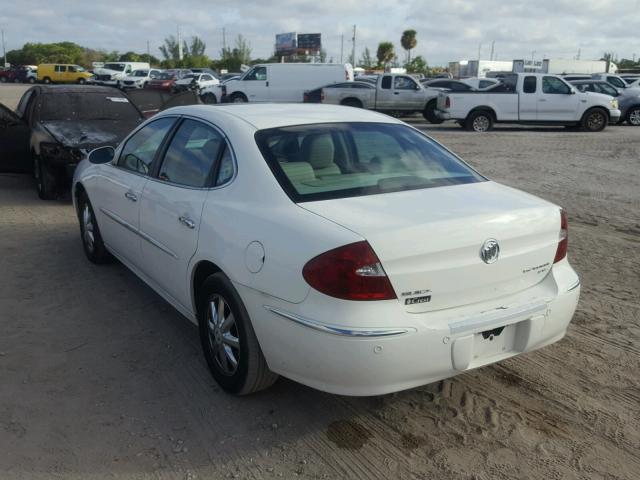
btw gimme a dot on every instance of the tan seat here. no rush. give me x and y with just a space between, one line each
298 172
319 151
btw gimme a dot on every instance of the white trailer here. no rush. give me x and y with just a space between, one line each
561 66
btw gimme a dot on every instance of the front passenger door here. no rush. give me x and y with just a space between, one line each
117 193
172 203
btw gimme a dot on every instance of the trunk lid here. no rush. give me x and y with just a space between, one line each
429 240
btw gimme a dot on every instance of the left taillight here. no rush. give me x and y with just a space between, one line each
563 237
350 272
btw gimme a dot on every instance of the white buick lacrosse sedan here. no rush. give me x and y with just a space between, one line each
338 247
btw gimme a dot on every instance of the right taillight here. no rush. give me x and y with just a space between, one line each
563 237
350 272
447 102
322 95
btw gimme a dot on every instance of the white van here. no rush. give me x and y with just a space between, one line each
278 82
114 73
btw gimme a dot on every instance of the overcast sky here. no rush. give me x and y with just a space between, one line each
447 29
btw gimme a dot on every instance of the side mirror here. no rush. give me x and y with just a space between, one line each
572 91
102 155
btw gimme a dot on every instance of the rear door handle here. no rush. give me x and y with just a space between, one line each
131 196
187 222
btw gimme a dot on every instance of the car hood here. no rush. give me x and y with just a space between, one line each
133 79
89 134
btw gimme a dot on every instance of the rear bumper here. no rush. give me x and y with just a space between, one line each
377 353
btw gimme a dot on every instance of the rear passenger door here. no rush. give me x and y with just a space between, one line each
172 203
528 109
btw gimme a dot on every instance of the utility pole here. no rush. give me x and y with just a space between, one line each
4 52
493 44
341 46
224 39
353 51
479 50
180 52
533 54
148 53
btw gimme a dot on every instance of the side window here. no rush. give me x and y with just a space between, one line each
459 87
191 155
404 83
22 106
127 69
258 73
485 83
616 82
225 171
206 78
61 68
529 85
555 86
72 68
386 82
141 148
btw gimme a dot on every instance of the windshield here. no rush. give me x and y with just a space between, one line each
608 89
87 106
119 67
190 75
165 76
140 73
338 160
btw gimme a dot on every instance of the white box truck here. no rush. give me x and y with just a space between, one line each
278 82
114 73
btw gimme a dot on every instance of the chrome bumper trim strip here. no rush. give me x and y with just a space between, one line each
341 331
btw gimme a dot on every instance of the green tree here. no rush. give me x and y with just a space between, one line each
367 62
233 58
408 42
417 65
385 53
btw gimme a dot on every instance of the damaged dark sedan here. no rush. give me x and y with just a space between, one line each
54 126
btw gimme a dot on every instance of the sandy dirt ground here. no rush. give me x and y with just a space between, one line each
100 378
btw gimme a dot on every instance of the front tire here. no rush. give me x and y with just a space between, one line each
633 116
81 81
209 99
46 184
228 340
238 98
92 243
46 80
595 120
480 121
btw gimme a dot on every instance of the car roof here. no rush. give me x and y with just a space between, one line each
77 89
587 80
271 115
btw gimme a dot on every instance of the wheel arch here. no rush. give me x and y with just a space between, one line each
200 272
346 101
484 108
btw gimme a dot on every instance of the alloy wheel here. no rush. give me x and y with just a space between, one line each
481 124
223 335
87 228
595 121
634 117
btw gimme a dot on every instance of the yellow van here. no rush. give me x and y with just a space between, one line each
62 73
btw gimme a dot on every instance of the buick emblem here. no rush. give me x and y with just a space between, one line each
490 251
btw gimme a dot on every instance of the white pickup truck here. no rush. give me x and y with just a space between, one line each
390 93
529 98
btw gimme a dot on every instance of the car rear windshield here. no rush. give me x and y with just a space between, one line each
86 106
338 160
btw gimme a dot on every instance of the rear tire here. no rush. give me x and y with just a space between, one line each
46 80
594 120
480 121
92 243
633 116
228 340
46 184
31 80
429 113
3 79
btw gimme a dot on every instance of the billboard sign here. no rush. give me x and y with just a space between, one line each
285 42
309 42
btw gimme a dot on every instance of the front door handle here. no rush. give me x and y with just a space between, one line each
187 222
542 100
396 93
131 196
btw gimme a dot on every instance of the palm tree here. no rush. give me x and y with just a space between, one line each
408 41
385 53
